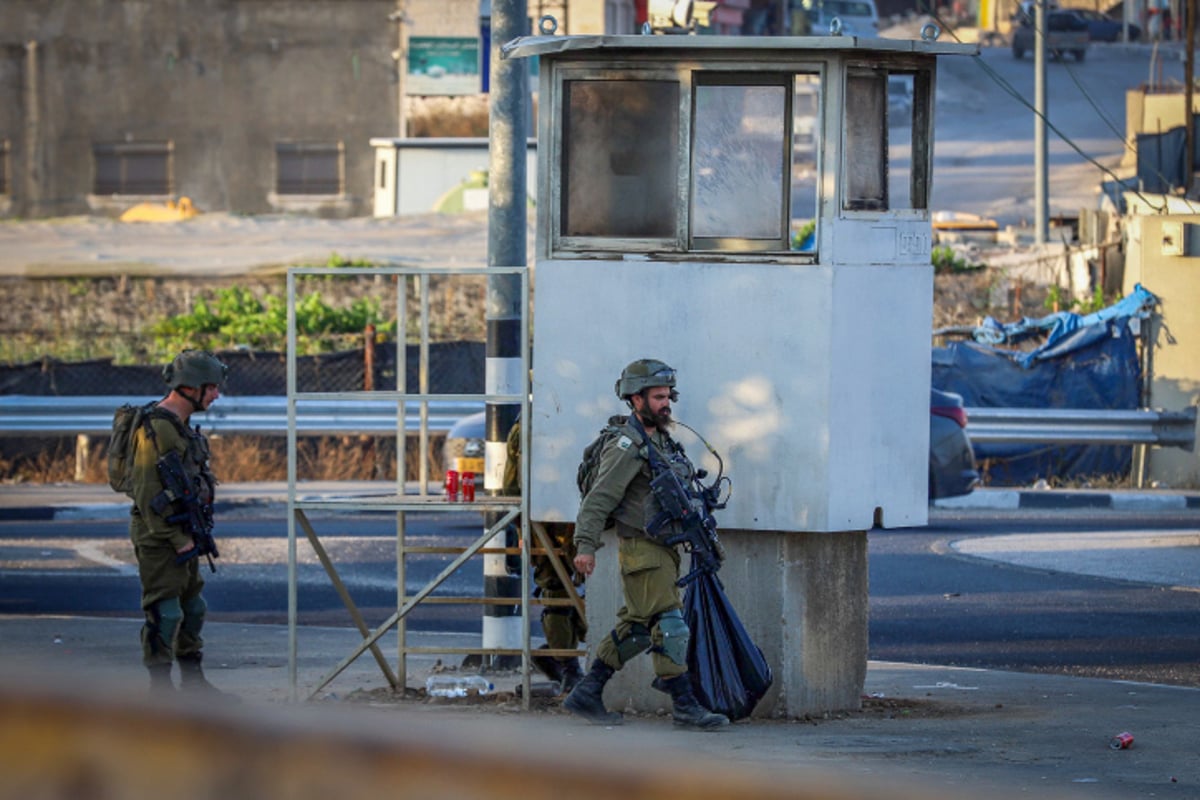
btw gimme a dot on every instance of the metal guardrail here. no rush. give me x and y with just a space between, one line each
1078 426
30 415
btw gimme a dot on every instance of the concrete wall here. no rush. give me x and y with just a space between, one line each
223 79
412 175
821 414
1175 368
1152 113
815 584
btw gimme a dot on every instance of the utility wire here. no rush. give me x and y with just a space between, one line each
1016 95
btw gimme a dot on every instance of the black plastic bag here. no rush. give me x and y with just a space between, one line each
728 672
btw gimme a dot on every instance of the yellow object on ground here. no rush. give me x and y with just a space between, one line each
160 212
962 221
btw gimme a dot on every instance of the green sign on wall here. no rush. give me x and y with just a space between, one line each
443 65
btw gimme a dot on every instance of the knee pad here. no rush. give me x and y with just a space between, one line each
194 609
167 616
675 636
636 641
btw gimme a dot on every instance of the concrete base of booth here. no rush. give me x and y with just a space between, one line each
802 598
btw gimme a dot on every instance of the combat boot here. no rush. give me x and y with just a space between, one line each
548 666
687 710
571 675
587 698
160 678
191 679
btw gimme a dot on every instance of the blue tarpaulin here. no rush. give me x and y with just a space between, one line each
1086 361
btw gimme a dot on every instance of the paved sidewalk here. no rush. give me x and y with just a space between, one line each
953 732
957 732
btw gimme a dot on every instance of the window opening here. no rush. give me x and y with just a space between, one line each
865 156
739 159
806 144
136 168
621 156
308 167
900 140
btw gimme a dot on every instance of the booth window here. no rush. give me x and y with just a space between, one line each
620 158
133 168
886 155
308 167
740 155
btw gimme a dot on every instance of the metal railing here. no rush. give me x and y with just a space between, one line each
1083 426
30 415
27 415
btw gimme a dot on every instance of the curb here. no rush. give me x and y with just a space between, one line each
1015 499
978 500
104 511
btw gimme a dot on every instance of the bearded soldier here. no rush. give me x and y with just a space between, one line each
651 620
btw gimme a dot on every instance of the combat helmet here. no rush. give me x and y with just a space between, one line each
645 373
195 368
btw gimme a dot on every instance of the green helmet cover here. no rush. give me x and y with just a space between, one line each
195 368
644 373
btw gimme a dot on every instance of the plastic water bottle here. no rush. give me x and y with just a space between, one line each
456 685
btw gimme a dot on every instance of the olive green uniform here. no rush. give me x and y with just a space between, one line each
621 496
171 592
562 625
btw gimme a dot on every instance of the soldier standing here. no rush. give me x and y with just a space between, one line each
168 557
562 625
651 620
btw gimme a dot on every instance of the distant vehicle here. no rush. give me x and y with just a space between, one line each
464 445
952 469
1066 32
1103 28
951 460
857 17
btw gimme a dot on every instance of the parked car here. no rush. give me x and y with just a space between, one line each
952 469
464 445
1103 28
1066 32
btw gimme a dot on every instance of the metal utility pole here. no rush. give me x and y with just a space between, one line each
1041 195
509 92
1189 72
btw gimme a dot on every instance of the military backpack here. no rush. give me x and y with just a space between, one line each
589 466
126 420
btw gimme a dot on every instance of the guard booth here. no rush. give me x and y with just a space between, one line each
754 212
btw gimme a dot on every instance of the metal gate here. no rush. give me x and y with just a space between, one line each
407 496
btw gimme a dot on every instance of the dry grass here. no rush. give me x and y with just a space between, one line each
235 459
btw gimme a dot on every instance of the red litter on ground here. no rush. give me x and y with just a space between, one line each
1122 741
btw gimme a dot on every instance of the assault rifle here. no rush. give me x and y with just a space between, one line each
692 510
195 515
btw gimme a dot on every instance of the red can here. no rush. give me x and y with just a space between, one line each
450 492
1122 741
468 487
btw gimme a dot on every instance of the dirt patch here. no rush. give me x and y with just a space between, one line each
542 702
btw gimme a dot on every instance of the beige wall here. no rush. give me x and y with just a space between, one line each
1152 113
1175 280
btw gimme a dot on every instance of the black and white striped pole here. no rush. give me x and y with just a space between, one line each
506 248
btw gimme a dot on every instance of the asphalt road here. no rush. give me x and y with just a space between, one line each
929 604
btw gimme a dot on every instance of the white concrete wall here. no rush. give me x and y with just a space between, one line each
808 380
422 171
